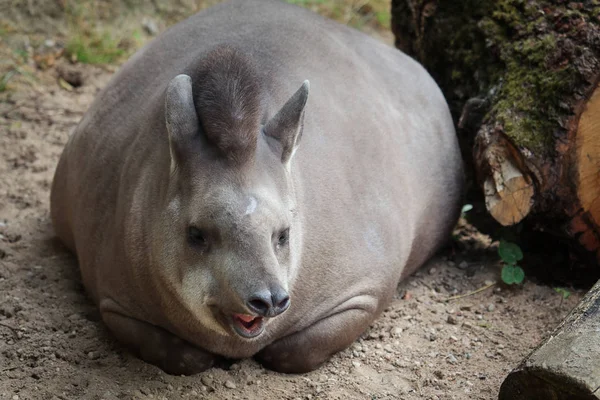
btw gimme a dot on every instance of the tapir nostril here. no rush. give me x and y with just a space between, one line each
282 304
281 300
269 304
260 305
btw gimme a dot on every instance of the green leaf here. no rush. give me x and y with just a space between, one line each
563 292
509 252
466 208
512 274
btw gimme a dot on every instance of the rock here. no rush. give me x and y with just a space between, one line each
93 355
463 265
150 26
206 381
491 308
396 332
230 385
451 320
451 359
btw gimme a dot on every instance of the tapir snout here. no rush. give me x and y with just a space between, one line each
269 303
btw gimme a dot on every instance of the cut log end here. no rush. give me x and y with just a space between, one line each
507 185
586 225
508 194
527 385
565 366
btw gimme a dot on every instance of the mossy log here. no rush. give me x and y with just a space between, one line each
567 365
522 79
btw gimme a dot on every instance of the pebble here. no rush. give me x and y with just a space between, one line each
356 364
451 320
15 397
396 332
491 307
230 385
150 26
463 265
93 355
432 270
451 359
206 381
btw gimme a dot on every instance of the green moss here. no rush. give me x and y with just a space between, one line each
514 49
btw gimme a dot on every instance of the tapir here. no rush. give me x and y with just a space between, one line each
255 182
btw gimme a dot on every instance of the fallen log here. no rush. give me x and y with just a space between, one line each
567 365
522 79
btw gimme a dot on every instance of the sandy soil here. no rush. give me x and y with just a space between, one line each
54 346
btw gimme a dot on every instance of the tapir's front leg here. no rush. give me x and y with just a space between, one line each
306 350
158 346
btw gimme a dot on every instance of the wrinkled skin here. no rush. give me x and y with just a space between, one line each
218 206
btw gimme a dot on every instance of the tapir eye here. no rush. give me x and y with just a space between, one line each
284 237
196 237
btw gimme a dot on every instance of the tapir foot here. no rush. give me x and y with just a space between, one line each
306 350
158 346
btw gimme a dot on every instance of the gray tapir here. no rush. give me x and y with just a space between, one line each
256 181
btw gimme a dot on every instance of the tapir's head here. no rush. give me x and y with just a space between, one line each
229 237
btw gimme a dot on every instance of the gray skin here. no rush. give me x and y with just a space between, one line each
178 186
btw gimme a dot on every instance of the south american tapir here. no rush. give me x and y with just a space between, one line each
255 182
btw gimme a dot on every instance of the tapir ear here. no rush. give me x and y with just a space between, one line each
286 126
180 114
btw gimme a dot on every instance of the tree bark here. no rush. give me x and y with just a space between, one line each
567 365
522 80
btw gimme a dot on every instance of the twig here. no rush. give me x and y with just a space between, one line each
481 289
12 368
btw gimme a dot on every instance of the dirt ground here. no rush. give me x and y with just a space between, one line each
54 346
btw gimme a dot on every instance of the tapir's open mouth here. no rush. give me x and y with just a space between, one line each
247 326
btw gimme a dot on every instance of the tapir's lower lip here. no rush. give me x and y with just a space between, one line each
247 326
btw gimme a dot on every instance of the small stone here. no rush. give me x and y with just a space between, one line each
93 355
356 364
491 308
463 265
378 346
451 320
150 26
396 332
206 381
170 387
451 359
432 270
15 397
230 385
